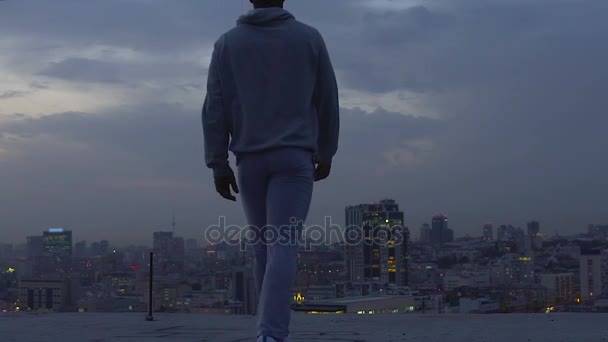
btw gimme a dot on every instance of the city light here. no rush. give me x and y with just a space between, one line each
10 270
55 230
298 298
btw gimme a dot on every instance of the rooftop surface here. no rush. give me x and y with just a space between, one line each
100 327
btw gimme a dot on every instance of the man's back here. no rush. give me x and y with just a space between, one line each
275 86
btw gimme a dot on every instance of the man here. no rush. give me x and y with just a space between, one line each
272 99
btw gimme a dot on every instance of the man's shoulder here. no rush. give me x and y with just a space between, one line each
294 25
227 36
306 30
305 27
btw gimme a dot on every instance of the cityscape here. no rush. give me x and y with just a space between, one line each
426 270
458 192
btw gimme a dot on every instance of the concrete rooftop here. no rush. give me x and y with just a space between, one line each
98 327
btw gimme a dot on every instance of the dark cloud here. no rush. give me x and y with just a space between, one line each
473 45
128 168
87 70
80 69
11 93
143 25
39 85
518 89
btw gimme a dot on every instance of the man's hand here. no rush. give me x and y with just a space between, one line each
322 170
223 184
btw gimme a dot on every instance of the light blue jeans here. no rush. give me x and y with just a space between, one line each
276 189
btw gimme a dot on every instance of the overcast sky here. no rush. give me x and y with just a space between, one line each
485 110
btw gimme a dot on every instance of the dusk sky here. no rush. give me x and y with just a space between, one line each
485 110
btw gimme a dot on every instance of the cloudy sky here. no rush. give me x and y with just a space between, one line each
485 110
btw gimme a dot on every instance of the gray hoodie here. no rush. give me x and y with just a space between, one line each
270 84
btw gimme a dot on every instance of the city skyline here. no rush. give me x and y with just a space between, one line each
423 233
521 270
483 110
414 229
414 232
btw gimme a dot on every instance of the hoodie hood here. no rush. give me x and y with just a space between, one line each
265 16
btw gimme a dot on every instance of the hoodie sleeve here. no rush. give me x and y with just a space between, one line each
327 104
215 129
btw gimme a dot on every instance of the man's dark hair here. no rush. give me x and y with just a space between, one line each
267 3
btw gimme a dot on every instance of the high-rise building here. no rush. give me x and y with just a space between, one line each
57 241
376 243
513 268
502 233
34 246
162 242
425 233
178 254
104 247
34 256
591 274
514 236
242 288
488 232
562 286
57 248
533 228
440 232
100 248
80 249
169 253
534 235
